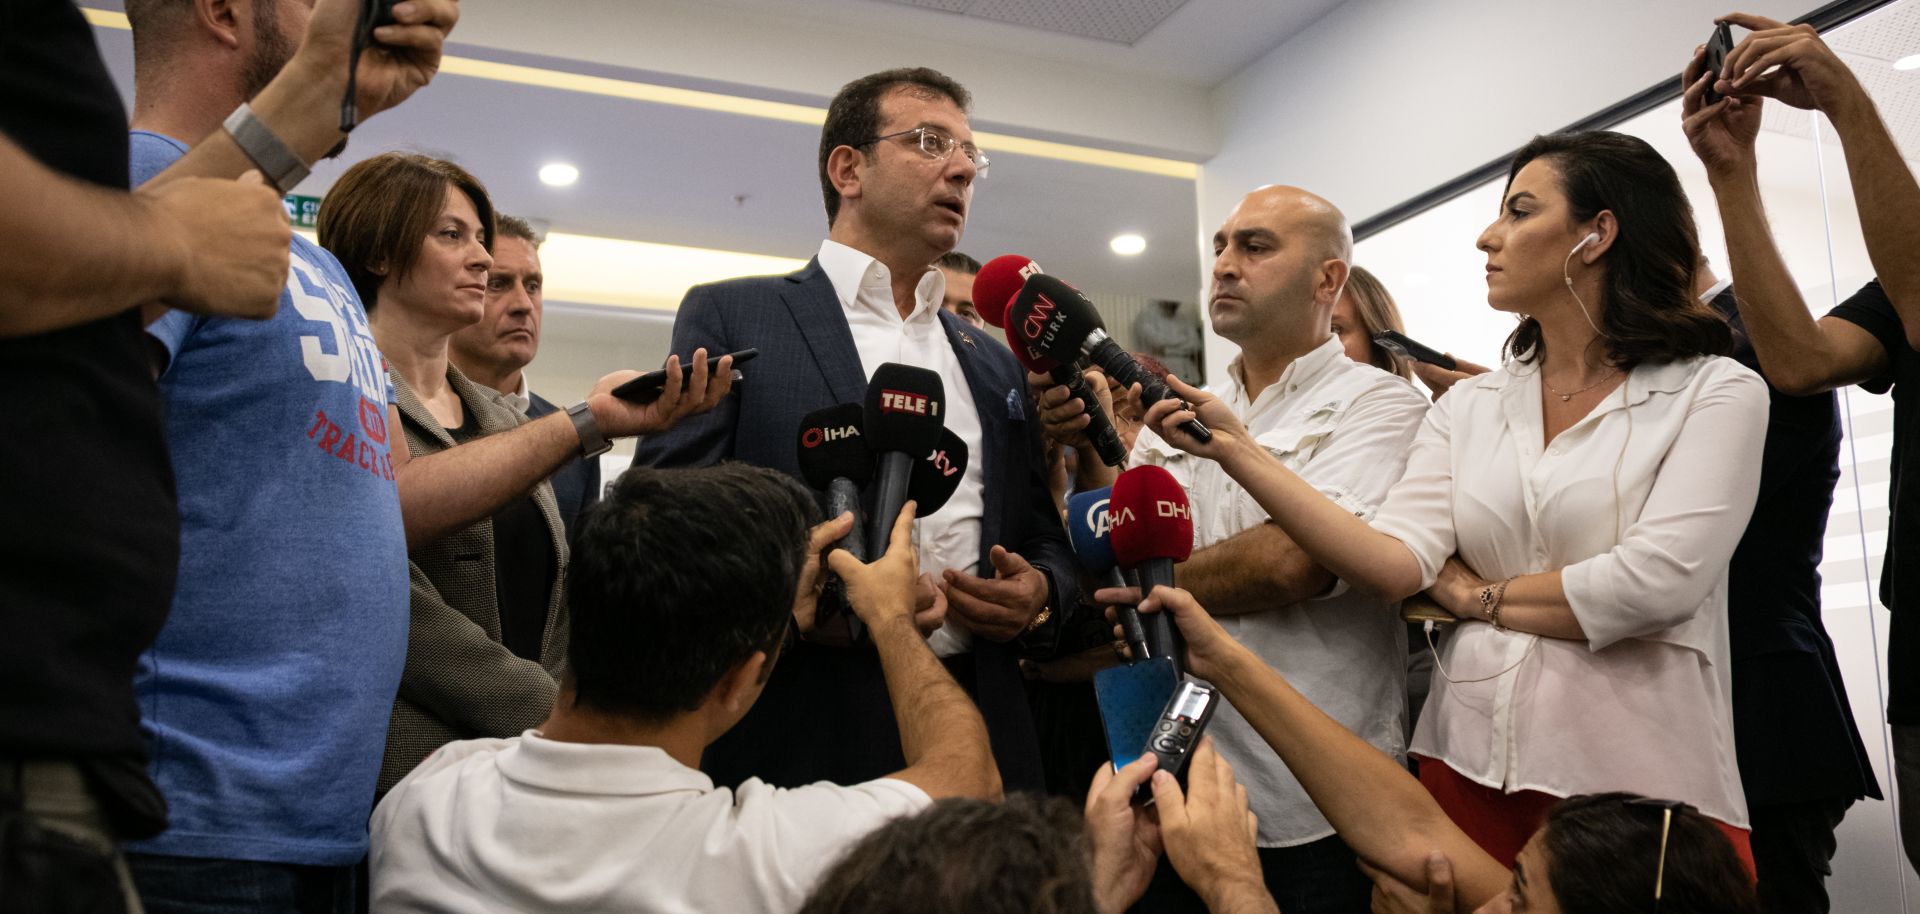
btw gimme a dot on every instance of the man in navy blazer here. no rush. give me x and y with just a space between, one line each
496 352
897 166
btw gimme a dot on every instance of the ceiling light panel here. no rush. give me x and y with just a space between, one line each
1118 21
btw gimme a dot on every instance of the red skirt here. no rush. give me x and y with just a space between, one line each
1502 822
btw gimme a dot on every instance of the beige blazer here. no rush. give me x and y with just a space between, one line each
461 682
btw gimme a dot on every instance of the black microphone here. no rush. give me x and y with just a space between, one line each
935 479
1051 319
834 459
904 414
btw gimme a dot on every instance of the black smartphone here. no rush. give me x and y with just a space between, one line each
1177 733
1718 47
1396 341
647 387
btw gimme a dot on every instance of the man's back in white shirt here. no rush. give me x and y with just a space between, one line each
532 824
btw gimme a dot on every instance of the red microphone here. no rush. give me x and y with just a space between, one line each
997 283
1151 529
994 289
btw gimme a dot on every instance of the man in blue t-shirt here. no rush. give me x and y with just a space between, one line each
1869 340
266 697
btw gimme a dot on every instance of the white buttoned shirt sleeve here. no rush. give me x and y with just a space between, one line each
1639 505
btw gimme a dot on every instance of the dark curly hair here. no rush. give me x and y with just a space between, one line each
1650 313
1028 855
679 575
1603 855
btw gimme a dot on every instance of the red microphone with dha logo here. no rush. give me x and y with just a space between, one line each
1152 530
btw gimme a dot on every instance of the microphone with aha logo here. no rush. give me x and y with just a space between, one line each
904 414
1152 528
994 290
1088 527
1053 320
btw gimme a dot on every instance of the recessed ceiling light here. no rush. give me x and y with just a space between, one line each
1128 245
559 174
1909 62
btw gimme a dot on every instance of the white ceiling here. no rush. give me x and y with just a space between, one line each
1199 44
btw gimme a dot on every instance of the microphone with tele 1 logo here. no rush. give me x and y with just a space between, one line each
903 417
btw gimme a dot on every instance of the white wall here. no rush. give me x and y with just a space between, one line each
1384 99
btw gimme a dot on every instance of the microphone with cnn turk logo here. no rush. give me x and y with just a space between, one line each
993 292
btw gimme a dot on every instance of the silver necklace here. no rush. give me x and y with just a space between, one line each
1566 397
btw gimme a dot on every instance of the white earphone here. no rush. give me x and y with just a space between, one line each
1591 238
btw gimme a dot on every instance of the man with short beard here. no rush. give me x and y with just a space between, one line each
265 697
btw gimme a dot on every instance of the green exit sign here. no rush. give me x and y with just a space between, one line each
304 211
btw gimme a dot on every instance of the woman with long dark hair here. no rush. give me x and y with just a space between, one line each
1575 510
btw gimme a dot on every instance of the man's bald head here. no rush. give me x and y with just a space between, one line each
260 34
1306 215
1280 261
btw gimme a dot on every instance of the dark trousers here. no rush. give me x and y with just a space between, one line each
1793 846
1319 877
192 885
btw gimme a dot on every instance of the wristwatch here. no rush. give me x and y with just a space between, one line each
278 164
592 443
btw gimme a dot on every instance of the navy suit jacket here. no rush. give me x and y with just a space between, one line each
576 485
825 713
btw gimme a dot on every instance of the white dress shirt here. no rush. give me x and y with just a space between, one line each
531 824
949 538
1639 506
1345 428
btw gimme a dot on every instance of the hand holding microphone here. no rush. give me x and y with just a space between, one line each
1152 530
881 592
1089 531
1173 418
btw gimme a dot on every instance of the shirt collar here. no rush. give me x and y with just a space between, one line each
853 272
1713 293
520 400
1302 371
597 768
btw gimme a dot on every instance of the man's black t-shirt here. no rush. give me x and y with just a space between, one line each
1873 312
90 542
1792 724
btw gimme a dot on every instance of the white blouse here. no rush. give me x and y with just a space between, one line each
1639 505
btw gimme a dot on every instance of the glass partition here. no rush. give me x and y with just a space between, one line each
1430 264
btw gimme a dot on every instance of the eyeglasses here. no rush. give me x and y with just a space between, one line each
937 146
1666 808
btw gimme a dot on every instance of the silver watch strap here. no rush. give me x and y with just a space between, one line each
592 443
276 162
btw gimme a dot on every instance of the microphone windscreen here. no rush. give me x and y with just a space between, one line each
1049 320
832 447
996 285
935 478
1150 517
1087 530
905 410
